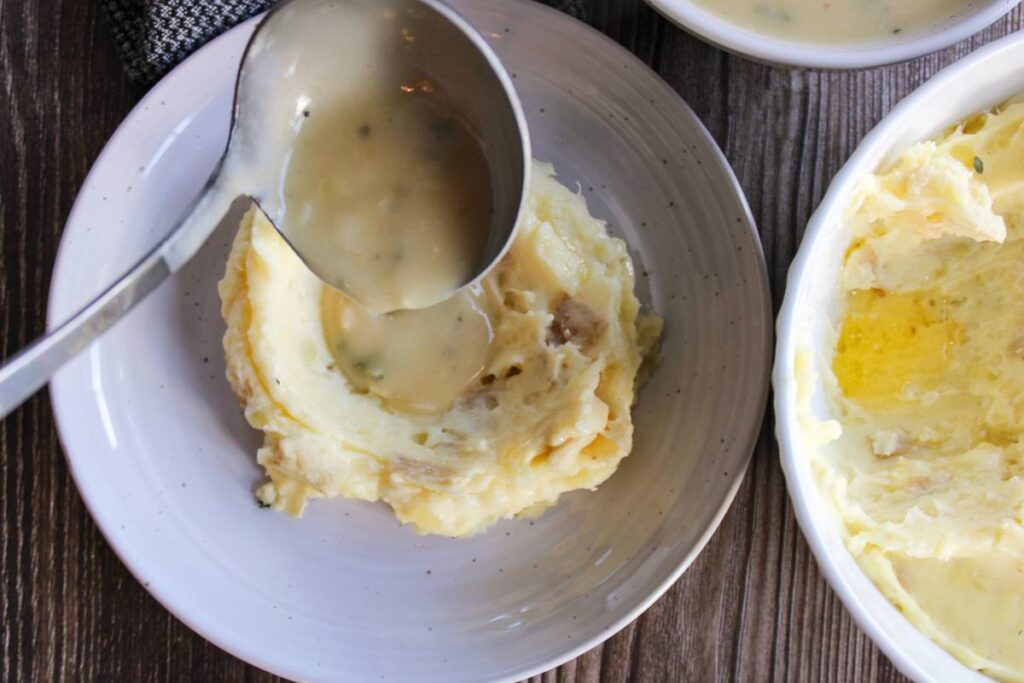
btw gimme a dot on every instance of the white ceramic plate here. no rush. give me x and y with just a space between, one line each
984 79
165 462
973 17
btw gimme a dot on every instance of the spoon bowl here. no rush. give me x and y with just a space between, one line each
389 45
271 84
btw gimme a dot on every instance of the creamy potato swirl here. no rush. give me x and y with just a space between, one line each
547 412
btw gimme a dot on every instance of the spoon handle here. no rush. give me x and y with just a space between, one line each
31 368
25 373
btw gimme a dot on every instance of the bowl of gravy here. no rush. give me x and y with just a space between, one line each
838 34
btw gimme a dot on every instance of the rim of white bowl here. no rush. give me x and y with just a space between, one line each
158 591
787 428
223 641
729 36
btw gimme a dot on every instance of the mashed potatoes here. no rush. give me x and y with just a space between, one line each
928 473
548 412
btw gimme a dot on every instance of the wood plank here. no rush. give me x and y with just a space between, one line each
753 606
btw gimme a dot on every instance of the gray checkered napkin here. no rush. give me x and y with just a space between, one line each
154 35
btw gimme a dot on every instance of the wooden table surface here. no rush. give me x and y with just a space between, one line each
753 606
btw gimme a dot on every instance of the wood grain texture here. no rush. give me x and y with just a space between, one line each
753 606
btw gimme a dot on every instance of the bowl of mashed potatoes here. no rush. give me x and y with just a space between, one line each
488 406
484 529
898 376
841 34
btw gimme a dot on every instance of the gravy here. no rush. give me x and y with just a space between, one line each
382 189
391 195
417 360
829 21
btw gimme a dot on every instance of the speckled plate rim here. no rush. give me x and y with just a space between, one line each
188 69
759 47
818 526
192 69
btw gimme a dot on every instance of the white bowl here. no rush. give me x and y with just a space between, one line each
984 79
165 462
975 15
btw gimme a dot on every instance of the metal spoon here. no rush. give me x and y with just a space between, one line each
449 49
